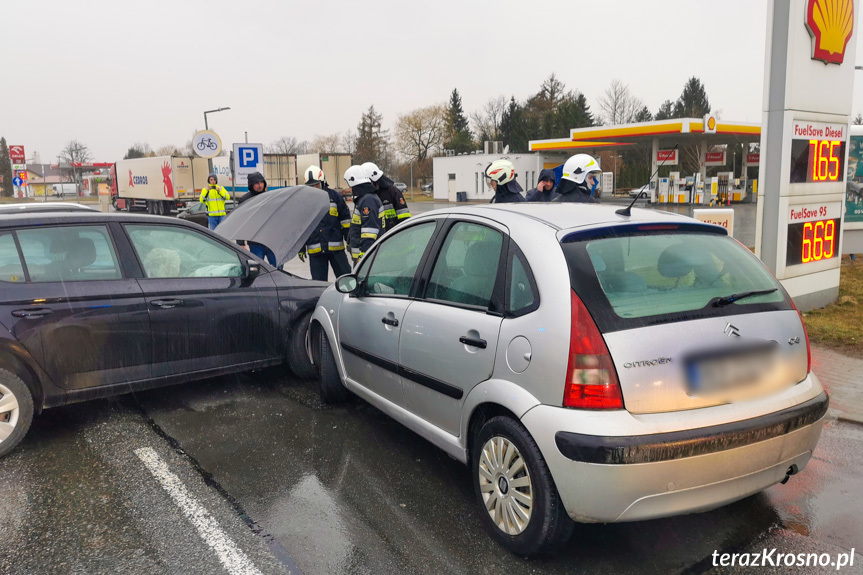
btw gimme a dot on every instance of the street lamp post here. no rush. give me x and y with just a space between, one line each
207 127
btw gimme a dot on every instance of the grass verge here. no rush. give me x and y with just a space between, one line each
839 326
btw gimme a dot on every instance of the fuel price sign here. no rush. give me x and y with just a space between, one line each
818 152
813 233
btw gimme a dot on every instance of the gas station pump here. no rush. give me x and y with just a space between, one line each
663 190
723 187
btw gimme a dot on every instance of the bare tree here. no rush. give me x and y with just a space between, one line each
138 150
618 105
286 145
349 142
419 134
486 122
168 150
75 153
325 144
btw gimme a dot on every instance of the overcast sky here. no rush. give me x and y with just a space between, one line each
114 72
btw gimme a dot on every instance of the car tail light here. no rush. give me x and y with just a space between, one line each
591 380
806 334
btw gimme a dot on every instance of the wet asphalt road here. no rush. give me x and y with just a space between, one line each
297 486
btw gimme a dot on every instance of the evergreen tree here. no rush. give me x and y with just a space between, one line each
693 102
572 112
371 142
512 127
643 115
6 170
458 136
666 111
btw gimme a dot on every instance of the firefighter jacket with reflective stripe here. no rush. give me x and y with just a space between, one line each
366 221
215 198
332 230
395 207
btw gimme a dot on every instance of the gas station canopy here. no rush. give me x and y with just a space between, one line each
682 131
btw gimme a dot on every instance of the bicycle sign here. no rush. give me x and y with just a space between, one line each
207 144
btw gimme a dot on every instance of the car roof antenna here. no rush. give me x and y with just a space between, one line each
627 211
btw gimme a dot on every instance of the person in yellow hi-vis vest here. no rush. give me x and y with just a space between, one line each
214 196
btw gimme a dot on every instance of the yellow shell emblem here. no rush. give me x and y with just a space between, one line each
831 24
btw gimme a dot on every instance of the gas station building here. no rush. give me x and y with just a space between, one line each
659 139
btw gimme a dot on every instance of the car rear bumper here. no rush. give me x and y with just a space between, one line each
646 476
655 447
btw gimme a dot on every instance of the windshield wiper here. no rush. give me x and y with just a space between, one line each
729 299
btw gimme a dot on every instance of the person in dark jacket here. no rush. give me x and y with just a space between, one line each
501 178
258 186
366 221
326 245
579 181
395 207
544 190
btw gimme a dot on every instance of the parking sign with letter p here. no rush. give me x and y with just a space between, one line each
248 159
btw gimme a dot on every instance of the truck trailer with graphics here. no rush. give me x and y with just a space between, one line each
159 185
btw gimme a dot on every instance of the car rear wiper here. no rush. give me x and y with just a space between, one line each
729 299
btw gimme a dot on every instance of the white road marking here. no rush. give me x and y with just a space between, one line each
232 558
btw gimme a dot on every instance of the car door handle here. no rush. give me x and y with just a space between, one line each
33 312
388 321
480 343
166 303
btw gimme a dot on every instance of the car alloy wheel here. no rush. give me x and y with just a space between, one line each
10 411
16 411
506 486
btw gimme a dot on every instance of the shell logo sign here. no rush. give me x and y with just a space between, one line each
831 24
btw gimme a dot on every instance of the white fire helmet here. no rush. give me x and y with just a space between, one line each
576 168
374 171
314 174
356 175
501 171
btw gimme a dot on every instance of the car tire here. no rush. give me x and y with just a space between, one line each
331 388
534 523
298 360
19 416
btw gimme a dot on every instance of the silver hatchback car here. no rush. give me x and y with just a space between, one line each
586 365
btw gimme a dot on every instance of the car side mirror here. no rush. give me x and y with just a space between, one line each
347 283
252 269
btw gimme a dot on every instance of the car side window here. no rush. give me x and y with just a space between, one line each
396 260
11 269
175 252
522 287
466 268
69 253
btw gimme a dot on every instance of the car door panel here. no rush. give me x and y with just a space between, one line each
370 320
84 333
442 359
369 329
209 323
201 323
449 339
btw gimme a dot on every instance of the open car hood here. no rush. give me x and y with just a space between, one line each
280 219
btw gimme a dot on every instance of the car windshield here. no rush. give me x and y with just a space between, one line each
670 274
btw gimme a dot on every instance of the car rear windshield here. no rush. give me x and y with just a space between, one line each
633 280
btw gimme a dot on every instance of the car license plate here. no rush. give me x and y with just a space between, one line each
726 371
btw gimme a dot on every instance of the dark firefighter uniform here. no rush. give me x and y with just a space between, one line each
326 244
367 220
395 207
